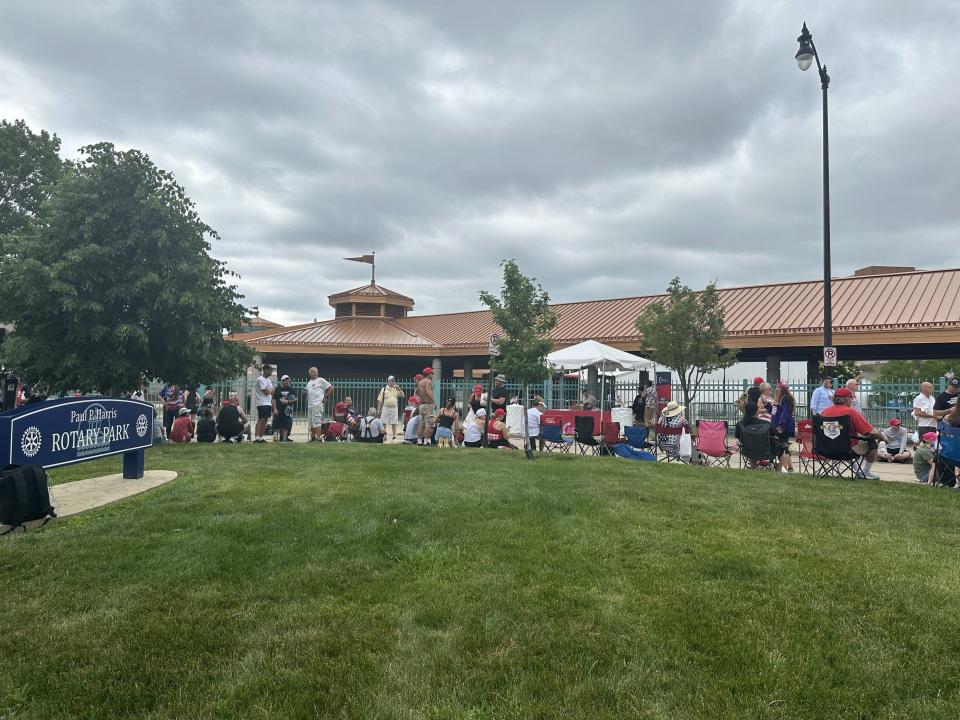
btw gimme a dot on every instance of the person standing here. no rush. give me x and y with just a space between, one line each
388 402
853 386
446 419
318 390
425 393
947 400
264 398
498 397
474 402
534 414
783 425
172 402
822 397
650 404
923 411
284 401
765 403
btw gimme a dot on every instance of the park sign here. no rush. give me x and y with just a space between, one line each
72 430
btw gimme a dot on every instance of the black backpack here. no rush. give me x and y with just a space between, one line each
24 496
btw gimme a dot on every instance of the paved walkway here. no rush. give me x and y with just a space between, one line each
75 497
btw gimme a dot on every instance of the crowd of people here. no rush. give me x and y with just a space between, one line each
396 418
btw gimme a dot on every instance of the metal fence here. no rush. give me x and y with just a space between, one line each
715 400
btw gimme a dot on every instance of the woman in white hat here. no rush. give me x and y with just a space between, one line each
670 426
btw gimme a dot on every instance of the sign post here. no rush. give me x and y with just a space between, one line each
72 430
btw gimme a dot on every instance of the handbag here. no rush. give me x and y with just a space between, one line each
686 445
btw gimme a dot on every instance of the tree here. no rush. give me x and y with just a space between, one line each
114 283
684 332
843 369
523 313
930 370
30 164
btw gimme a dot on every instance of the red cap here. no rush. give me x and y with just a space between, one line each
499 411
843 393
478 388
418 376
929 437
757 380
895 422
428 370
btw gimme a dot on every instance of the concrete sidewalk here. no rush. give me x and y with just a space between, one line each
75 497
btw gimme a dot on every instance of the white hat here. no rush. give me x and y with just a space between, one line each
481 413
391 377
183 411
284 377
673 408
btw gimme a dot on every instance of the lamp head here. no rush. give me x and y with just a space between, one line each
806 52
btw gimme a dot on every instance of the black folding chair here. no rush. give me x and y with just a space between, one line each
756 449
831 443
583 433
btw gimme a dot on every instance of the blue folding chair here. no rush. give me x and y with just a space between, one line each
554 439
637 437
947 457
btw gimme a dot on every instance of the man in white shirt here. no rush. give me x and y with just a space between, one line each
853 386
923 410
388 402
533 423
264 398
318 390
895 448
822 397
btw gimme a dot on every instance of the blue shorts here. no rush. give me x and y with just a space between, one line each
444 433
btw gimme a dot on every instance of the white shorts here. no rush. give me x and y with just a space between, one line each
315 415
390 415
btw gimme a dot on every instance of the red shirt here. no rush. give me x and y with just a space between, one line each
182 430
858 423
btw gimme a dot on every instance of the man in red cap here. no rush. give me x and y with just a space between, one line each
859 428
424 391
895 449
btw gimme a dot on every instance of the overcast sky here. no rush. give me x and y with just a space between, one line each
605 146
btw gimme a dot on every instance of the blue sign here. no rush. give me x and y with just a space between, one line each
71 430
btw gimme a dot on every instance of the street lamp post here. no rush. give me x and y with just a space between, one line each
805 57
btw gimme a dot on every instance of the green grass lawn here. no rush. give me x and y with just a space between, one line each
353 581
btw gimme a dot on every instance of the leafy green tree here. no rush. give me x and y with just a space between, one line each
930 370
114 283
30 164
523 313
844 369
684 332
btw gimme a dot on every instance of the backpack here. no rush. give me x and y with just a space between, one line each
24 496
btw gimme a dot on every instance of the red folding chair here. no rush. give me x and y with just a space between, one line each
712 442
808 458
611 436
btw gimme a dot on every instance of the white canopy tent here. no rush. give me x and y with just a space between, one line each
591 353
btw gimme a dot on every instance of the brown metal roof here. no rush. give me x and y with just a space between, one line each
920 300
371 290
349 331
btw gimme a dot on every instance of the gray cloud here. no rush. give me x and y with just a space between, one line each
606 147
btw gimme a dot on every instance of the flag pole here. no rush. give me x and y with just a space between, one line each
373 268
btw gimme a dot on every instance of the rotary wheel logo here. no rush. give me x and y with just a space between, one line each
30 441
141 425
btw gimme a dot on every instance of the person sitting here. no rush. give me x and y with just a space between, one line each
863 438
895 439
923 462
371 427
410 431
750 418
587 399
158 436
206 427
182 429
498 434
231 421
473 432
670 426
445 422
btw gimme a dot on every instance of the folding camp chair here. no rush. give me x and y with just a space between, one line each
946 459
637 437
831 443
756 450
611 437
554 439
583 431
808 457
712 442
667 448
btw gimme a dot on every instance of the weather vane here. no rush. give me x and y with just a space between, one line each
373 266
